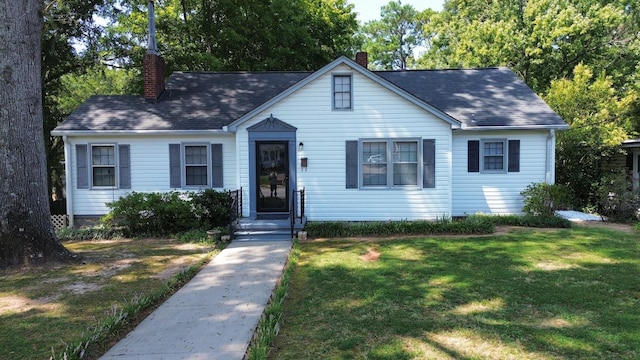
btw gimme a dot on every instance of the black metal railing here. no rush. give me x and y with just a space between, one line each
235 210
293 210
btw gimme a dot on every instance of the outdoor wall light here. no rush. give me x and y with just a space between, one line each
300 146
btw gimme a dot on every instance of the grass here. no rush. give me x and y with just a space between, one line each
44 310
534 294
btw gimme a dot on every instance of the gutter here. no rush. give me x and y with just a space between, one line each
67 178
137 132
550 173
522 127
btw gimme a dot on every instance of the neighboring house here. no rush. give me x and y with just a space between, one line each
365 145
632 161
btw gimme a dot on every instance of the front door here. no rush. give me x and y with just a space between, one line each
272 176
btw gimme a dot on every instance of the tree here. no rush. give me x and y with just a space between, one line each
541 40
26 231
233 35
599 121
67 23
391 40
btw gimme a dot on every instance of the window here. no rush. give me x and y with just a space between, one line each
493 155
405 163
196 163
390 162
374 164
103 165
342 92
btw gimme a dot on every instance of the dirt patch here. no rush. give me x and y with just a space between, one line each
371 255
607 225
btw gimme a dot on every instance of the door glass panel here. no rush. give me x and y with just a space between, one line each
273 176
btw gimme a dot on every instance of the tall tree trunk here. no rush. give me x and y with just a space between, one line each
26 231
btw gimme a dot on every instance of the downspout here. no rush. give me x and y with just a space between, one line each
67 179
550 172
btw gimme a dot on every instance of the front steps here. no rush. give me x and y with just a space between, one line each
266 229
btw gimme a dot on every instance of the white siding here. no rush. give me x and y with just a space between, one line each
496 193
377 113
149 157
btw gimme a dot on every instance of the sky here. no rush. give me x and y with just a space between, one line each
370 9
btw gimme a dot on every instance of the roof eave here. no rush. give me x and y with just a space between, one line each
136 132
518 127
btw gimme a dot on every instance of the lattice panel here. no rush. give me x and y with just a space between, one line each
59 221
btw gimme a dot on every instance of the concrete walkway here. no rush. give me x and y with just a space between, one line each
215 314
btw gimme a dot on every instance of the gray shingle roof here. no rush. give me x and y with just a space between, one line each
209 101
477 97
191 101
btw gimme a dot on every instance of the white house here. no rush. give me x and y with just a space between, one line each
364 145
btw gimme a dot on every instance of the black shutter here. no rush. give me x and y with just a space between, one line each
352 164
429 163
82 166
216 165
629 162
124 166
174 166
514 155
473 156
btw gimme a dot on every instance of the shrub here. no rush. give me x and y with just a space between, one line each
168 213
212 208
474 224
616 200
542 199
388 228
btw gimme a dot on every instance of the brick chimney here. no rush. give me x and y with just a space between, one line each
362 58
153 63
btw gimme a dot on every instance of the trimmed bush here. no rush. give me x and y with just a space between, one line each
388 228
472 225
155 214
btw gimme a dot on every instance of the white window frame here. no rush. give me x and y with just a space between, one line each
505 156
114 166
390 162
207 165
334 91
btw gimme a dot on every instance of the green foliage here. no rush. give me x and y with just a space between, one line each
541 40
636 227
212 207
213 35
391 40
389 228
269 324
599 121
524 220
96 233
616 199
474 224
167 213
193 236
542 199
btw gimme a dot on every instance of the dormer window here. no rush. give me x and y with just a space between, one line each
342 99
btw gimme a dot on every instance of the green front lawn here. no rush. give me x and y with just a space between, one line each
529 294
